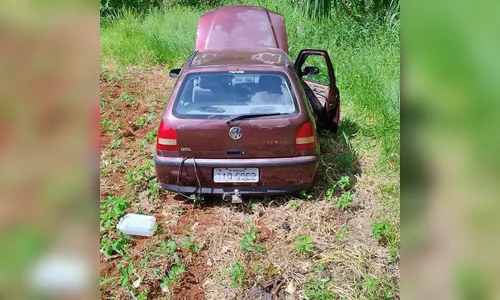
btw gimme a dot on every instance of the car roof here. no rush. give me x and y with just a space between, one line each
253 56
241 26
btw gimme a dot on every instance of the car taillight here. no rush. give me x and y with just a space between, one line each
167 138
305 139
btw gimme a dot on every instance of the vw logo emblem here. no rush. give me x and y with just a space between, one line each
235 133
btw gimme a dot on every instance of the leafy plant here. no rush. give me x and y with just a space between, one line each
341 233
104 281
145 119
237 274
116 143
381 231
305 194
248 239
393 254
127 98
168 247
111 210
125 274
141 177
304 245
331 191
319 267
373 288
178 211
174 274
293 203
345 200
191 246
143 294
316 289
110 245
107 124
343 182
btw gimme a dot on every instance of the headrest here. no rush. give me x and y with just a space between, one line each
270 83
215 81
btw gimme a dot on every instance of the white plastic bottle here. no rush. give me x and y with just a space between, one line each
134 224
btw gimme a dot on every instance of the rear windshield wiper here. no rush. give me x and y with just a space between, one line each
248 116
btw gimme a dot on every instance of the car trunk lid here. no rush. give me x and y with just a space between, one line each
251 138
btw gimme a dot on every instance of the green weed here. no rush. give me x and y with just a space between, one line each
248 239
143 294
192 246
343 182
109 125
104 281
116 142
145 119
345 200
319 267
140 177
316 289
111 209
382 233
109 245
304 245
374 288
174 275
305 194
331 191
341 233
127 98
150 137
293 203
167 247
237 274
125 274
393 254
178 211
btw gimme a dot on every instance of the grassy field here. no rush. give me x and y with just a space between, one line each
344 234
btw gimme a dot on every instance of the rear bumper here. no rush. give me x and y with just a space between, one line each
243 190
277 175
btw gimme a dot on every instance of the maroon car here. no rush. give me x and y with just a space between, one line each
242 119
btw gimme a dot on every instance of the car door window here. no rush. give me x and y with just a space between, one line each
320 63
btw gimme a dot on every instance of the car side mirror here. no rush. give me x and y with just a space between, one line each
310 71
174 73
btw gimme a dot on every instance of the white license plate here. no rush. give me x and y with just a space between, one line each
236 175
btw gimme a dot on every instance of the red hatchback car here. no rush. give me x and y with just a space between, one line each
241 118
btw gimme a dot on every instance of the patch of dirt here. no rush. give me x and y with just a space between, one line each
191 285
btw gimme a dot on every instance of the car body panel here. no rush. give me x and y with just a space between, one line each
241 26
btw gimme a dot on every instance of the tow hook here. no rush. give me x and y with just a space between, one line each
234 198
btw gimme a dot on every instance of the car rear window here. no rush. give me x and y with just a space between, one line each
226 94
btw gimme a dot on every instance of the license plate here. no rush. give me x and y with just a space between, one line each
236 175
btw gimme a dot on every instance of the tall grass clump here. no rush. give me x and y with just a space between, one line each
162 37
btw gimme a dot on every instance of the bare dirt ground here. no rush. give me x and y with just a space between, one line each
344 259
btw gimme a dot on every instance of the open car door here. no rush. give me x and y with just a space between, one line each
323 95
